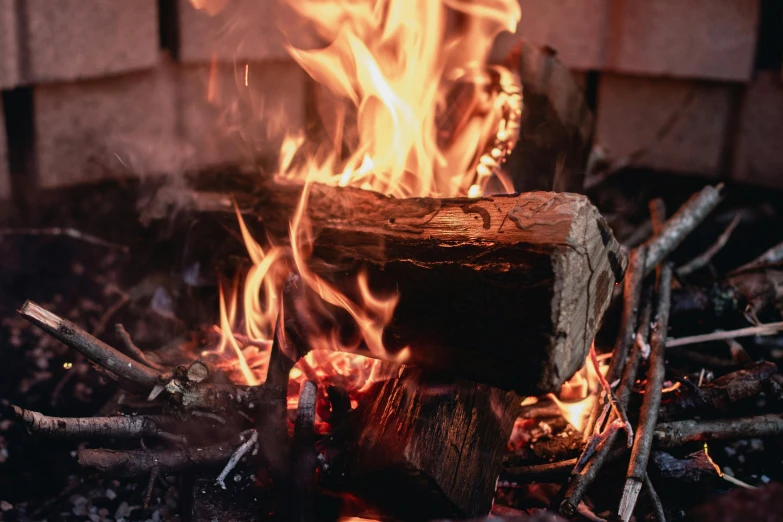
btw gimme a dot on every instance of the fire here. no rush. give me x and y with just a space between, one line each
431 119
578 394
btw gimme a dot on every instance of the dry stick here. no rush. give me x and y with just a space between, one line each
682 223
652 399
704 258
578 484
304 456
660 514
678 433
58 231
138 463
131 427
772 256
236 457
761 329
129 348
94 349
632 289
154 474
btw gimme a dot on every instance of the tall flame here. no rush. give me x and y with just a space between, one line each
431 119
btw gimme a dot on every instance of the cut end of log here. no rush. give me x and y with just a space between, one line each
630 494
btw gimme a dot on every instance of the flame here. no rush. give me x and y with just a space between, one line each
421 114
578 394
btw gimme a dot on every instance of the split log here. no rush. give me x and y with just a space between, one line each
425 449
505 290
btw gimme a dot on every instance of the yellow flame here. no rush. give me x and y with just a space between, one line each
395 66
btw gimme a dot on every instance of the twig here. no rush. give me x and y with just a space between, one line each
772 256
138 463
154 474
652 399
682 223
208 415
130 426
660 514
704 258
94 349
761 329
129 348
109 313
673 434
235 458
58 231
538 472
580 481
657 215
632 289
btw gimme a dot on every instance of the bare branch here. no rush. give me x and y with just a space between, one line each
673 434
761 329
704 258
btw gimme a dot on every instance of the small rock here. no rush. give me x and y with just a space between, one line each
6 506
123 511
110 494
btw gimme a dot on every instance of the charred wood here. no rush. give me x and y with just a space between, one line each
678 433
715 398
530 275
418 439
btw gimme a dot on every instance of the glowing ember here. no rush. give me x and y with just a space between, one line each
397 66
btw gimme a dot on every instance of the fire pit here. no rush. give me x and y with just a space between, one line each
399 333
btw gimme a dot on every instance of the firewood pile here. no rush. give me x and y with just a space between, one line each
424 444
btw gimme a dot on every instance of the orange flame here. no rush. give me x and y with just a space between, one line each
397 66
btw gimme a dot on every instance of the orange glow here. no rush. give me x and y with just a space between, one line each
578 395
714 465
396 67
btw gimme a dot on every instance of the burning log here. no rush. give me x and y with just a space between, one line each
427 449
529 275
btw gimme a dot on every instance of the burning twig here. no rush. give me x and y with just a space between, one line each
761 329
303 455
138 463
704 258
67 232
94 349
129 348
83 427
580 481
648 416
235 458
673 434
632 289
682 223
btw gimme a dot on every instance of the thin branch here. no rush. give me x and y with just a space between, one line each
94 349
682 223
67 232
660 514
235 458
678 433
761 329
129 348
130 426
772 256
139 463
154 474
648 416
704 258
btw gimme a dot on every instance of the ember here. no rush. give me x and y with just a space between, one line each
371 322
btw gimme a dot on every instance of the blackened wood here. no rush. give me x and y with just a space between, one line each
427 449
715 398
677 433
556 130
507 290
